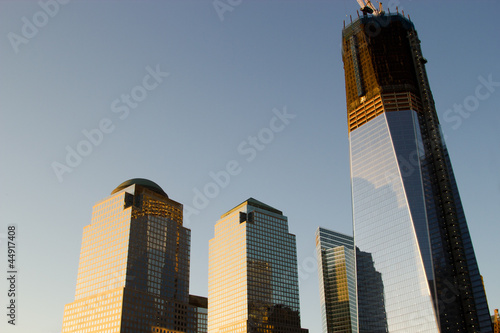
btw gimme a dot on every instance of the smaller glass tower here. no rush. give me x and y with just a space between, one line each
337 281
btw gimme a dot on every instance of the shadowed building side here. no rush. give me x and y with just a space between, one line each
201 312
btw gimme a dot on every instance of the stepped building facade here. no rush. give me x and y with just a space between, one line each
133 275
253 279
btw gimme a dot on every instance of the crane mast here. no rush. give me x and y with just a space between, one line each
368 8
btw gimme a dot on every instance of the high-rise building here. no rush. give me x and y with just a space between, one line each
201 312
495 319
133 275
407 212
337 281
253 279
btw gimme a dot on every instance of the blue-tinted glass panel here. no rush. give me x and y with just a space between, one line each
384 230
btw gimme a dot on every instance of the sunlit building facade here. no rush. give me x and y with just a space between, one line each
253 278
337 281
133 275
409 224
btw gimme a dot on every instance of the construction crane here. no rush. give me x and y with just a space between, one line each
369 8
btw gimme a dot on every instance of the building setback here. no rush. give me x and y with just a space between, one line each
133 275
253 278
407 214
337 281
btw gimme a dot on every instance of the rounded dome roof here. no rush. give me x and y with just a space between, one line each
142 182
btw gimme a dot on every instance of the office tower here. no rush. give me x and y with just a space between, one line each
337 281
200 305
407 212
252 279
495 319
133 275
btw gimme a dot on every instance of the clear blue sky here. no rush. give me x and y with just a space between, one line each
225 79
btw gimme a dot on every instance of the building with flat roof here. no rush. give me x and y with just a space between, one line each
337 281
253 279
200 305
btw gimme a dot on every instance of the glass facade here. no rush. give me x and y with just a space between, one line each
372 317
201 312
415 260
133 273
337 281
253 278
447 293
385 226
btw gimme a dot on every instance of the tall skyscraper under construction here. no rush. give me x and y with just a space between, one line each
407 214
253 282
133 275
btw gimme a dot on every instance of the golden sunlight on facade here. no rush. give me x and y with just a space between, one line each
133 274
253 279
